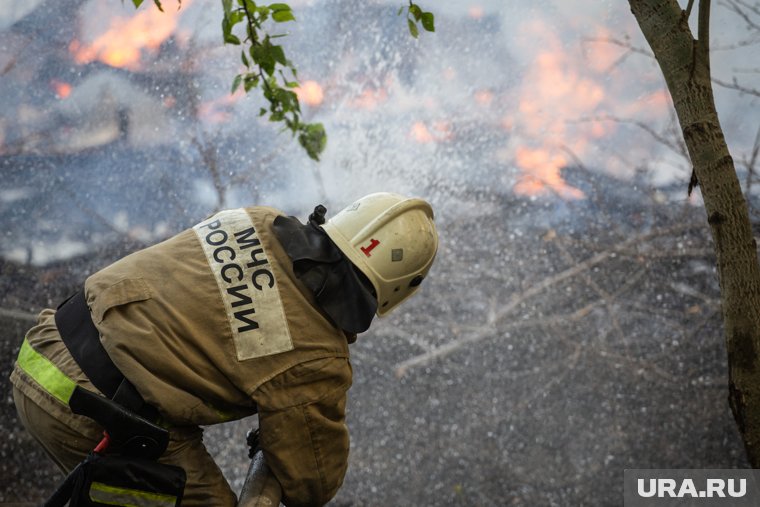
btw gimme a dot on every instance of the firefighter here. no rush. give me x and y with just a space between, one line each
248 312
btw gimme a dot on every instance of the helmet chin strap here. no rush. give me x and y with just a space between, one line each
338 288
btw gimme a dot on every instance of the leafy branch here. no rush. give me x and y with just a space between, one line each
268 68
415 15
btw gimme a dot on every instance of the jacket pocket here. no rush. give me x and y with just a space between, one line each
128 290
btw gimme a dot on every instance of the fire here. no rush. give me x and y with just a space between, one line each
421 134
129 37
311 93
370 98
484 97
558 87
220 110
61 88
543 174
439 131
475 12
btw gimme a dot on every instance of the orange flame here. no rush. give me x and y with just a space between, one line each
311 93
475 11
219 110
421 134
484 97
370 98
543 174
127 38
441 131
62 89
557 87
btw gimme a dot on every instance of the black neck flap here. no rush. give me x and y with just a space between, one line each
341 290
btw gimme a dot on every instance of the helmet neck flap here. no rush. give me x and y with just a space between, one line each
342 292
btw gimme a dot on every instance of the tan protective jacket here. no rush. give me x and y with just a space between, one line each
212 324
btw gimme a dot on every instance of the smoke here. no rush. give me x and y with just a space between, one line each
501 97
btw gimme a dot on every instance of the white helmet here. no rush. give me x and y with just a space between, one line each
391 239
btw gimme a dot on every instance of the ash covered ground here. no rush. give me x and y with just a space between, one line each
554 345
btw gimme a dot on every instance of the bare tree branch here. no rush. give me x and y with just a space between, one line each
489 330
673 143
738 7
734 85
18 314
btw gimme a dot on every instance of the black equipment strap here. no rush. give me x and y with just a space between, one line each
134 435
82 338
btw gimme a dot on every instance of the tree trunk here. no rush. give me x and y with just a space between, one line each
685 64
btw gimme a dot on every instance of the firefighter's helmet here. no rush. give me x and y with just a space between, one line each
391 239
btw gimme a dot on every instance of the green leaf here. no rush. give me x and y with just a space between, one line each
400 10
137 3
263 57
413 28
313 139
278 54
428 21
415 10
262 111
250 81
236 17
279 7
286 98
263 13
158 4
244 59
229 21
283 16
227 6
236 83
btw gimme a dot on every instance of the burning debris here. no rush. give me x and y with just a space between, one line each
129 37
311 93
62 89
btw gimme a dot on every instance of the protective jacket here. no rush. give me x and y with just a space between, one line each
212 325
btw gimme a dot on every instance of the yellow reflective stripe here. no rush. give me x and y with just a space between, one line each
112 495
45 373
221 414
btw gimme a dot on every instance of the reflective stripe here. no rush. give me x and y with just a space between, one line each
112 495
45 373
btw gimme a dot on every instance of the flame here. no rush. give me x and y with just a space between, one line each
61 88
484 97
601 57
370 98
421 134
311 93
221 109
557 87
128 37
441 131
476 11
543 173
